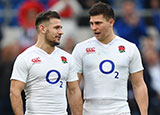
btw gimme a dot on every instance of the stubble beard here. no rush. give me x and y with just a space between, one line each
51 43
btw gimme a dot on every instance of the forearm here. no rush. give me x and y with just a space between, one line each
75 102
141 95
17 104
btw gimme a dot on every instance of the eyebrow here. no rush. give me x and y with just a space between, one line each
58 26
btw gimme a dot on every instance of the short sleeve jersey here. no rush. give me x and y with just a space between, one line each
45 77
106 67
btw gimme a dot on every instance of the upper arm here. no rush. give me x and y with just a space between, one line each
16 86
77 54
80 76
137 79
20 69
72 86
135 64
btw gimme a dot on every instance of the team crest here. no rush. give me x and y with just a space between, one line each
121 49
64 59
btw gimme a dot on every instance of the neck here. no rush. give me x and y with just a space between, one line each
44 46
108 38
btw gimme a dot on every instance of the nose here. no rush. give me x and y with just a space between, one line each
61 32
93 27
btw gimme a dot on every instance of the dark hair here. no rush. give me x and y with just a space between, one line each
45 16
102 8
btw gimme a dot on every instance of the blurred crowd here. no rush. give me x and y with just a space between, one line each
137 21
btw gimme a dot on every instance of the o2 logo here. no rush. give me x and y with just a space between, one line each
57 80
111 69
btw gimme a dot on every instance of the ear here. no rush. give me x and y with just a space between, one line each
42 28
111 21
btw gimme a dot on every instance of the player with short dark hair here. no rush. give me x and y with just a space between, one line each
44 71
106 62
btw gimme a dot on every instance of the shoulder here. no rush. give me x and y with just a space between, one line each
27 54
86 42
80 48
61 52
65 56
129 47
125 42
28 51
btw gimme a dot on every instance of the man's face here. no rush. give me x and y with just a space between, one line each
53 32
101 27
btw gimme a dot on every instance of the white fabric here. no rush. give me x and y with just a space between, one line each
106 70
98 107
42 96
155 76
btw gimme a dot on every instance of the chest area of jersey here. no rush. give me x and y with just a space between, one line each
50 69
106 58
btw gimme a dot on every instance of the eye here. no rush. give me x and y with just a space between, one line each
97 23
58 27
91 23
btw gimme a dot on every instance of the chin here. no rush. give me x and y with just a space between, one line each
98 38
55 44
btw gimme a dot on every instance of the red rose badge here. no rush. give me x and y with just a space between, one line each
64 59
121 49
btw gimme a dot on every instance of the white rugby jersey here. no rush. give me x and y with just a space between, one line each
106 67
45 76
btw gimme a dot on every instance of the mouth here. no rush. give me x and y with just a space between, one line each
97 34
58 37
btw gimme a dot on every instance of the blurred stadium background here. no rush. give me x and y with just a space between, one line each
136 20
